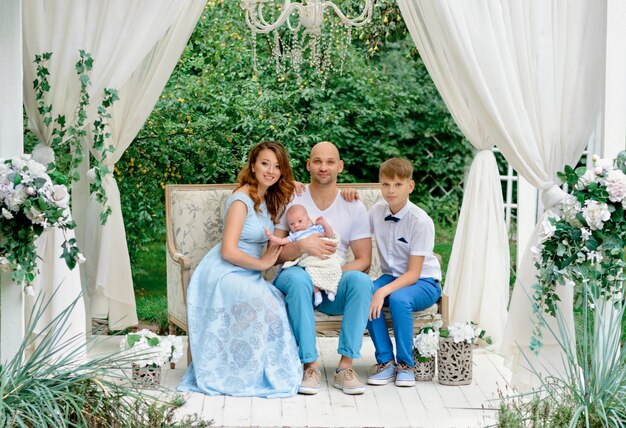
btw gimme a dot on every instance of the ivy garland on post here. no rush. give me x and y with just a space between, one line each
68 139
33 196
583 242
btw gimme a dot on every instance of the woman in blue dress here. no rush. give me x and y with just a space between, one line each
239 333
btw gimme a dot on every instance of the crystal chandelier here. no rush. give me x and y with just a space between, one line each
309 16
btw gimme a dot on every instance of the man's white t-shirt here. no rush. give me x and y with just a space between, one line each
348 219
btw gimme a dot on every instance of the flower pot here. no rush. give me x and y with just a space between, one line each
147 376
454 362
424 370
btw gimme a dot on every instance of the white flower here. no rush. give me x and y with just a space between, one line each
596 214
60 196
7 214
36 169
91 175
547 229
80 258
586 233
594 257
603 165
43 154
461 332
616 185
29 290
16 198
584 181
5 264
427 344
570 207
36 216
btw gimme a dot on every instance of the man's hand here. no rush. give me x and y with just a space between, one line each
315 246
376 307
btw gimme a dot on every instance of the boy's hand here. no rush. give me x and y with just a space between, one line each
350 194
376 307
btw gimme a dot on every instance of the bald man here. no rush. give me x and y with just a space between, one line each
354 293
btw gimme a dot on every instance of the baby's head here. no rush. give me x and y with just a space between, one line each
297 218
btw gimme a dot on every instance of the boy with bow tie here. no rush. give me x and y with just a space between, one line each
405 236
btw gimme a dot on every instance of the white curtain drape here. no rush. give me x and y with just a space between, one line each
122 37
109 280
531 74
478 271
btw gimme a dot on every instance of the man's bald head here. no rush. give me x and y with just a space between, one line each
324 164
324 149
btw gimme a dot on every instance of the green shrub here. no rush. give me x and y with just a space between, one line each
214 109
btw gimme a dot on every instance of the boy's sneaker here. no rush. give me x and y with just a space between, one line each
405 375
382 374
348 381
310 381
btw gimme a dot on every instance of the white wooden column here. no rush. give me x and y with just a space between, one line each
11 143
613 133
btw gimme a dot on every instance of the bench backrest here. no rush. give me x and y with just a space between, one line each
195 217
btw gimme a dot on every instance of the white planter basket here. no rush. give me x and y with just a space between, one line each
454 362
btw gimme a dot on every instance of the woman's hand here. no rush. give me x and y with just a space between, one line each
350 194
376 307
270 256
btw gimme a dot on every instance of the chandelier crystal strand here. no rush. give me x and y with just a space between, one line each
254 58
311 19
344 49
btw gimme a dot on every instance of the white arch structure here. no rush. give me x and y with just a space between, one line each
612 98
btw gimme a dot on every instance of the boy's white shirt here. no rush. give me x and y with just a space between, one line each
348 219
416 228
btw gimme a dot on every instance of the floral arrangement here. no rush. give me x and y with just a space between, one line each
151 350
583 241
426 342
468 332
30 201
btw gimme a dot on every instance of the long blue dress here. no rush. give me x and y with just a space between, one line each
241 341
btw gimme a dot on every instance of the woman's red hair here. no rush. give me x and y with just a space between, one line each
280 193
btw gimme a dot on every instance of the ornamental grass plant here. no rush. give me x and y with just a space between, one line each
592 390
55 385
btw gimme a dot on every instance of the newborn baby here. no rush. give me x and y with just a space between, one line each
325 273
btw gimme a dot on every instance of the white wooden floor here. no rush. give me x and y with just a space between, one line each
428 404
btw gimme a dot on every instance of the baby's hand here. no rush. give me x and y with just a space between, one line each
267 232
319 220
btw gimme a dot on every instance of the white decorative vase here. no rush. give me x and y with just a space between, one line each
454 362
147 376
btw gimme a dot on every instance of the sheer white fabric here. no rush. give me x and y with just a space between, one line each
529 73
109 280
478 270
123 38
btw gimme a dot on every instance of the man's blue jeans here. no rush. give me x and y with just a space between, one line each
402 303
354 295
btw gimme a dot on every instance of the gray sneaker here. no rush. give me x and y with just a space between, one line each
310 381
348 381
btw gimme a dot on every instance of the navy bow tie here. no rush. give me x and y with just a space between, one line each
392 218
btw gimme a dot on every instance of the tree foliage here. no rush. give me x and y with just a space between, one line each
214 109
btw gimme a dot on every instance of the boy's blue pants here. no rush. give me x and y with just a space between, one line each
402 303
354 295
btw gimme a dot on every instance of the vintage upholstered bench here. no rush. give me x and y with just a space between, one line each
195 215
